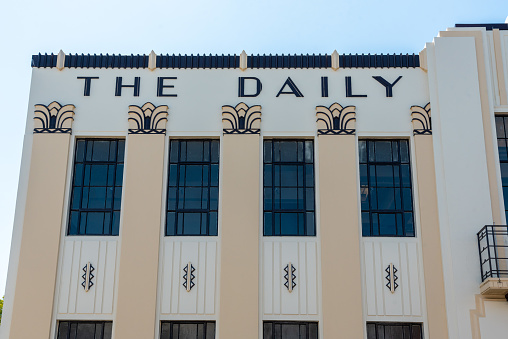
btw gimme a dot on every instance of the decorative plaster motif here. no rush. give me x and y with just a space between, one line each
421 119
392 278
53 118
336 120
149 119
241 119
87 277
290 277
188 277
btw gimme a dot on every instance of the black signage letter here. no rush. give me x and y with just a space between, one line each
161 86
324 87
88 85
241 87
292 86
119 86
388 86
349 90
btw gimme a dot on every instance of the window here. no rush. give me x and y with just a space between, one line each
96 187
188 330
502 140
193 187
84 330
394 331
290 330
385 186
288 172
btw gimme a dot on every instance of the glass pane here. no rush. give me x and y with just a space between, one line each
100 151
194 150
95 223
192 223
267 151
86 331
80 151
383 151
387 225
212 230
404 151
386 198
268 227
98 175
121 150
309 151
288 151
289 223
384 176
193 175
192 198
500 127
173 151
215 151
97 198
362 151
78 174
289 175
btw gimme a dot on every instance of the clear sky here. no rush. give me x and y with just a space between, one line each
213 26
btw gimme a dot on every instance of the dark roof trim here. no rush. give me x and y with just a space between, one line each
229 61
198 61
488 27
379 61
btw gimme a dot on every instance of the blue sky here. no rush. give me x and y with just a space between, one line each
220 26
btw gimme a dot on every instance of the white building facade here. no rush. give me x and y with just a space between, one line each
274 197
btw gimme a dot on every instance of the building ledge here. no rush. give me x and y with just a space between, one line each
494 287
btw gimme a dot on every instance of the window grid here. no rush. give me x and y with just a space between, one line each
290 329
502 141
386 189
288 188
187 330
96 187
193 188
386 330
84 329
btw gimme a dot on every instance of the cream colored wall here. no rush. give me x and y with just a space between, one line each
487 113
239 291
37 267
430 237
340 243
140 232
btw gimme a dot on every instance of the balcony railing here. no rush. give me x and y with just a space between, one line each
493 249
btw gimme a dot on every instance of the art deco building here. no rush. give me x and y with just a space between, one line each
265 197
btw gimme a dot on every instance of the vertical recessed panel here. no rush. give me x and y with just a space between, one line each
210 288
268 277
167 270
312 277
65 277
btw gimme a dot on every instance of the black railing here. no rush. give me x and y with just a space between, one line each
493 249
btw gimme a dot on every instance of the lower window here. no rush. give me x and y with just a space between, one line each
188 330
383 330
84 330
290 330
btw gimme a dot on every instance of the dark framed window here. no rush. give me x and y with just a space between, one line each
96 195
383 330
84 330
386 190
193 187
288 189
290 330
187 330
502 142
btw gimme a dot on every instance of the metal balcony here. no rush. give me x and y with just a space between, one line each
493 250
